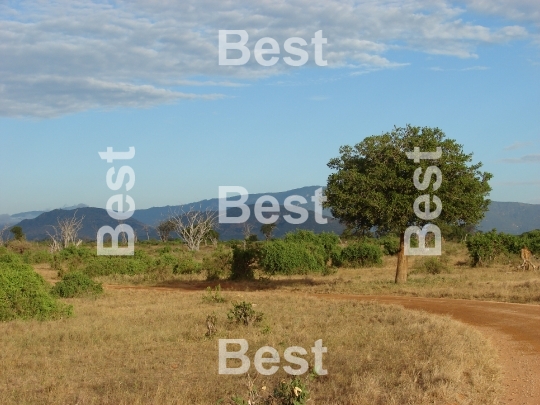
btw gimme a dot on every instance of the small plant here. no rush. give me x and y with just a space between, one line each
213 296
293 392
432 265
76 284
244 313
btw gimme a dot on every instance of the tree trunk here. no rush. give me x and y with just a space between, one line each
401 271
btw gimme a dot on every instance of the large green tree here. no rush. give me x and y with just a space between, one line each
373 184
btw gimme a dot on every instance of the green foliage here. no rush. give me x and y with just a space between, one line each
17 232
485 247
432 265
327 240
531 240
218 264
373 181
288 257
76 284
252 238
244 261
107 265
360 254
243 312
24 294
213 296
187 265
36 256
390 244
293 392
267 230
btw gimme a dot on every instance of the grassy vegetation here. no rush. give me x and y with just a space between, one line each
160 347
141 347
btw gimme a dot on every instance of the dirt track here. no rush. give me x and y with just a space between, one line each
514 329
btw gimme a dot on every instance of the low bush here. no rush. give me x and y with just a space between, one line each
76 284
24 294
327 240
187 265
286 257
360 254
390 245
218 264
243 312
431 265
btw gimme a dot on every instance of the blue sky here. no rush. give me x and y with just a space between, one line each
79 76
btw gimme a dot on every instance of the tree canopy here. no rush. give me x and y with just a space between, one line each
373 182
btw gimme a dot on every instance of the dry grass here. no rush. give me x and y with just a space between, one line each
148 347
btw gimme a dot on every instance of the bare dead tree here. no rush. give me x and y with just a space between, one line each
193 226
4 239
66 233
146 228
247 230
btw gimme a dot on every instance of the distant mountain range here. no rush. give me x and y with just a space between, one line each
509 217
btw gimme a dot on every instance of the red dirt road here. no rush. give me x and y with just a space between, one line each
514 329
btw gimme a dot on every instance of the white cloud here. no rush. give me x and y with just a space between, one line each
518 145
533 158
71 55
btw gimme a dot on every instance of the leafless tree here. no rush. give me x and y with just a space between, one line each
193 226
146 228
4 239
66 233
247 230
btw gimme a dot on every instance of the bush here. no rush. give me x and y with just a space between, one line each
24 294
485 247
432 265
36 256
243 262
187 265
286 257
76 284
327 240
218 264
390 244
107 265
243 312
360 254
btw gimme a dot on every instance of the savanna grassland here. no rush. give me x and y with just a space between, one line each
154 346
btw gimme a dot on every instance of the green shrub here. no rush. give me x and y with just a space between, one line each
243 262
218 264
361 254
390 244
107 265
293 392
76 284
187 265
286 257
36 256
485 247
243 312
431 265
327 240
24 294
213 296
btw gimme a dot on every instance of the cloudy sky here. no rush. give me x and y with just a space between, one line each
77 77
